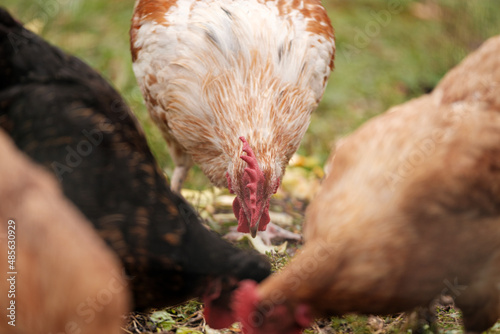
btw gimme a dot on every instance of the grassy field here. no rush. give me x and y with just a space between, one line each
383 58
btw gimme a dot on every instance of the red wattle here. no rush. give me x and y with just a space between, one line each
264 219
240 214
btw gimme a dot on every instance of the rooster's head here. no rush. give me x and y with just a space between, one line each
253 189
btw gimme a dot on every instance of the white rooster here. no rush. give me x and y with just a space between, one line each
232 85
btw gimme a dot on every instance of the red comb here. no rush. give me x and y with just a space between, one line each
253 175
245 305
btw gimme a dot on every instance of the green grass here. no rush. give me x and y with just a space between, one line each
402 57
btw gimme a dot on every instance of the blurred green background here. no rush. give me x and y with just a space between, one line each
383 57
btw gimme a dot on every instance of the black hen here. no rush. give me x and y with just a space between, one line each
65 116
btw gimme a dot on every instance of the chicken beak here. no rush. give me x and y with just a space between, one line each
253 227
253 230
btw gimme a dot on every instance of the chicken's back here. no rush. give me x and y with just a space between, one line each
476 80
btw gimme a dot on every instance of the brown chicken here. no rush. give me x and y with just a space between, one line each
58 276
65 116
232 85
410 211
